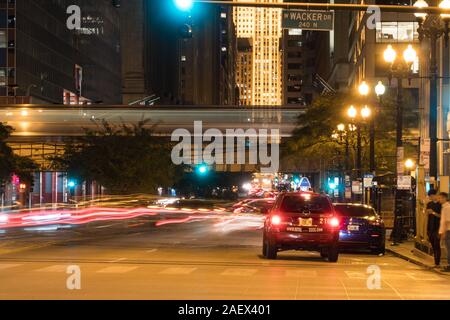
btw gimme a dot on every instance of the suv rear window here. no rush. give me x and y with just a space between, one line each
354 211
301 204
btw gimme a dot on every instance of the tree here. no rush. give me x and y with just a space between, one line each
124 159
11 163
312 147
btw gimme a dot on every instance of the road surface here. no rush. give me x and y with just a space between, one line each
136 260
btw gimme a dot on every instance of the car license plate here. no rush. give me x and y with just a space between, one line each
351 227
305 222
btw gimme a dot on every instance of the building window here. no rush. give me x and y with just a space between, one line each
397 31
295 32
2 39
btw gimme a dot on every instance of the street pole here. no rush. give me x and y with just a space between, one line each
358 156
399 166
433 107
372 146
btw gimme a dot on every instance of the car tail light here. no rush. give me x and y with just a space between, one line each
276 220
334 222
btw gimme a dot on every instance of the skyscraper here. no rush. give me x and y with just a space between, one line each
44 61
262 26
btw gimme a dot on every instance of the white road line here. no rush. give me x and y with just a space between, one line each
422 277
117 260
8 266
239 272
300 273
178 270
54 268
356 275
116 269
345 289
395 290
151 250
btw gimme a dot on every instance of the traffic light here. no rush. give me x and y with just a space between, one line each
71 183
202 169
184 5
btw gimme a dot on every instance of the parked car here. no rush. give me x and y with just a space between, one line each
362 227
302 221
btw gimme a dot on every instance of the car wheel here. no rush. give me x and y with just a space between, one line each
270 249
381 250
324 253
264 247
333 253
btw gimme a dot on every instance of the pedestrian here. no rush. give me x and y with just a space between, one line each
444 228
433 211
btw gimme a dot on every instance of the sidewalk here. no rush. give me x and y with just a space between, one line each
408 252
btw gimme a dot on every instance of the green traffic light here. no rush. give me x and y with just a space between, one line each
184 5
202 169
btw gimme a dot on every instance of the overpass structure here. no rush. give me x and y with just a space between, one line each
43 130
47 123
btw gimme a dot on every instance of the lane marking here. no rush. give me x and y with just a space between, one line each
54 268
395 290
356 275
178 270
116 269
422 277
151 250
239 272
300 273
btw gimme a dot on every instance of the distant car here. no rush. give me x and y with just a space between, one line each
362 227
302 221
258 206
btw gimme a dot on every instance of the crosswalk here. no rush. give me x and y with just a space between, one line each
238 272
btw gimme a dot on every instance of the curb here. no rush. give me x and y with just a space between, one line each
416 262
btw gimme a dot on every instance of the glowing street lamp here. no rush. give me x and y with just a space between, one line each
351 112
364 88
409 164
366 112
420 4
389 54
410 54
380 89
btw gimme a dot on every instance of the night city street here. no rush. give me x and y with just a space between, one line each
224 159
134 259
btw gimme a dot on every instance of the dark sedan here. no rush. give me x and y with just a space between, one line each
362 228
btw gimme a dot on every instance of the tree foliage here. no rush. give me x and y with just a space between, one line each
11 163
124 159
313 146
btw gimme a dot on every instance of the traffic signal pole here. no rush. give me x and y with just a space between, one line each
326 6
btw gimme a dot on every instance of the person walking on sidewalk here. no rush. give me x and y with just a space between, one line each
434 218
444 228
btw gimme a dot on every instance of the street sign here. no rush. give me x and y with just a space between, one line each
404 182
368 178
308 20
357 187
425 153
400 163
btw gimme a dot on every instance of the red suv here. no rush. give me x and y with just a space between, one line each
302 221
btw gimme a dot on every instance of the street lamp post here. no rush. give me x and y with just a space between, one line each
358 118
399 69
380 89
433 27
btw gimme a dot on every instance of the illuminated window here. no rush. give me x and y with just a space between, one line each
397 31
